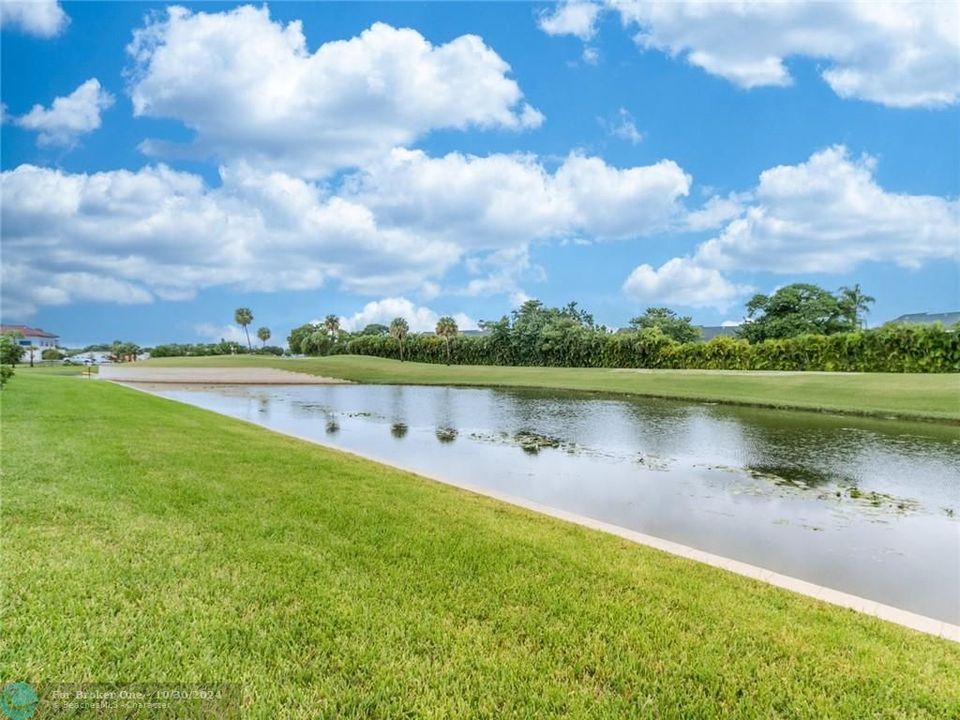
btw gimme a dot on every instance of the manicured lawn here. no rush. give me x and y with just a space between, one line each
54 369
902 395
144 540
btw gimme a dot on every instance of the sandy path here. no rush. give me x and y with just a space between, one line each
211 376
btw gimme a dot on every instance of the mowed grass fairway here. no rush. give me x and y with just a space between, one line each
147 541
933 396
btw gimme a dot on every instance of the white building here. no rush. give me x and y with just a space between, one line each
31 337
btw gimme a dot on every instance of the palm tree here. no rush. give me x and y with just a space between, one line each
264 335
399 329
447 328
243 317
331 323
856 304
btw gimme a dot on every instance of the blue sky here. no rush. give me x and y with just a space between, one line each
161 168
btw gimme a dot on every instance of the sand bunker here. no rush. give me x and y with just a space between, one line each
211 376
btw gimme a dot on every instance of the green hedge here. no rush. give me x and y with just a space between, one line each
897 348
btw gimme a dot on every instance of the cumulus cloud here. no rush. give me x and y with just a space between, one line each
214 332
900 54
251 89
500 200
420 319
68 117
42 18
829 214
397 226
572 17
681 281
716 212
162 233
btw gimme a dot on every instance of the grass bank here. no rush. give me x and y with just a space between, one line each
144 540
919 396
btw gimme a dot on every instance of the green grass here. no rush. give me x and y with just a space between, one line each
53 369
148 541
935 396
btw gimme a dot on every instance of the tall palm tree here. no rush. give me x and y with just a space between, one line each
399 329
447 329
243 317
331 323
264 335
856 304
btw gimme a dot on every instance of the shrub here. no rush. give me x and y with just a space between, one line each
900 348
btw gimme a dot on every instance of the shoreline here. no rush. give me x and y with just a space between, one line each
134 373
922 398
873 608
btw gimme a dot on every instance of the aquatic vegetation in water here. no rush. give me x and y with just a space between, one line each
791 475
399 430
332 427
878 500
533 442
790 480
446 434
527 440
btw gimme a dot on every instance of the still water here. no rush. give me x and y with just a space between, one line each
870 507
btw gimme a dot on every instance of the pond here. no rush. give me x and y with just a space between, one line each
869 507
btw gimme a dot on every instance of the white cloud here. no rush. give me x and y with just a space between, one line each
572 17
251 89
398 226
420 319
681 281
591 56
216 333
716 212
731 323
624 127
499 201
501 272
828 214
68 117
157 232
896 53
43 18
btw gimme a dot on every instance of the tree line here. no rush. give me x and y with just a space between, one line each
799 327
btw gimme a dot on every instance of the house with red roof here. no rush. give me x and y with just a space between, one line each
30 336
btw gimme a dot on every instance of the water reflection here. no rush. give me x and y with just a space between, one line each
867 506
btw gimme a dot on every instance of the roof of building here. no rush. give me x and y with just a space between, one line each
947 318
26 331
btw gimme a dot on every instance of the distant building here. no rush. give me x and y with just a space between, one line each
946 319
709 332
32 337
